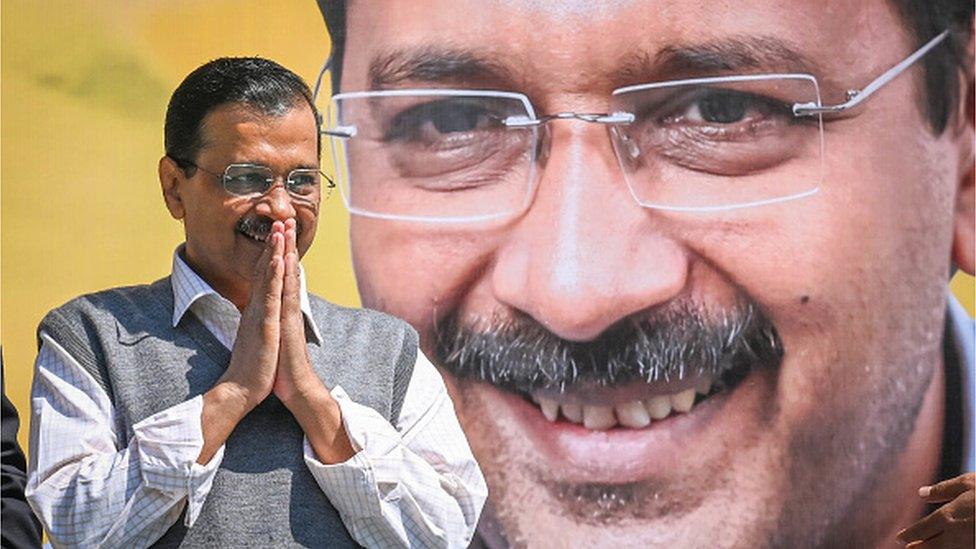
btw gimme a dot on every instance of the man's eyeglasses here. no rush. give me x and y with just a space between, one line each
254 180
694 145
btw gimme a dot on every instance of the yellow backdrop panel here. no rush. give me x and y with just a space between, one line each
84 91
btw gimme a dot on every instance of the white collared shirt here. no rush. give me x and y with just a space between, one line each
92 488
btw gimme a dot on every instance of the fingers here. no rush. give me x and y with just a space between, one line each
256 349
262 270
930 526
291 243
261 267
273 287
948 489
291 315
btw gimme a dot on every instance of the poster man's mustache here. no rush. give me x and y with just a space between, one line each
671 342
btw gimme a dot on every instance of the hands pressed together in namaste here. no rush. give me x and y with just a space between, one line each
270 356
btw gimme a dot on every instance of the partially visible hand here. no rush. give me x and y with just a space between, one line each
254 358
295 376
951 525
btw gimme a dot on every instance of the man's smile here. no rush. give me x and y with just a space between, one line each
618 408
606 451
254 228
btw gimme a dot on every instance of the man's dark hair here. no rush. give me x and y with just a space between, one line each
925 18
259 84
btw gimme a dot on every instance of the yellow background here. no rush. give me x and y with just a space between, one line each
84 92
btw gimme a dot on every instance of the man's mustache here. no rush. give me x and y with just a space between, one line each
259 225
671 342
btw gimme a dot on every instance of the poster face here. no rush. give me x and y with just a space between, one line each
671 308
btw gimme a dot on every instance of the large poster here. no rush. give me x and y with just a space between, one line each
670 306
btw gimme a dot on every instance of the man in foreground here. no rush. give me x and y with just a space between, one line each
224 406
689 290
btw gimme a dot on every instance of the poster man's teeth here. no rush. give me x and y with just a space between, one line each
635 414
550 409
683 401
598 418
573 412
659 407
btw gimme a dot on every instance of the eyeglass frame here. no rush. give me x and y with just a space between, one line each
854 97
222 177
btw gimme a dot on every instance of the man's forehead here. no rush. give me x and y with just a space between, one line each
245 129
629 41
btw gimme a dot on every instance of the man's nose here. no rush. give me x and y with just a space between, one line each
586 255
276 203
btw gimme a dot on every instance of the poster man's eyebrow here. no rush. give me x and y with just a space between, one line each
432 65
435 64
730 55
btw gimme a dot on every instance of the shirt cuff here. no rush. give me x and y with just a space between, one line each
168 444
358 485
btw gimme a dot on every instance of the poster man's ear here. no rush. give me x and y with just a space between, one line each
964 233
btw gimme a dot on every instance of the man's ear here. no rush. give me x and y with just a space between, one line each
171 179
964 233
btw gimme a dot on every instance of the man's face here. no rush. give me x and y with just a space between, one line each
224 232
831 306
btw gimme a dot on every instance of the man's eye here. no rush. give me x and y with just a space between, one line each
723 107
303 180
247 181
438 119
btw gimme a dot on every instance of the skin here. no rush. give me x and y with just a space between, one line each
854 278
261 279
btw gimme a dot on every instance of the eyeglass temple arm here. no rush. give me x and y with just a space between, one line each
339 131
855 97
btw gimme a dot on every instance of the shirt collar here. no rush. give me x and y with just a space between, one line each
962 335
189 287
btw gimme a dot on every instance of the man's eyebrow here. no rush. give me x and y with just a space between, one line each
729 55
431 64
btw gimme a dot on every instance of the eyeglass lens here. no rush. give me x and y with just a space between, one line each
710 143
246 179
719 143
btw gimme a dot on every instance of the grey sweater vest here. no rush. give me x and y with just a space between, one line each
263 494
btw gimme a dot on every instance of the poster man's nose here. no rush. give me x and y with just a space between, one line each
586 255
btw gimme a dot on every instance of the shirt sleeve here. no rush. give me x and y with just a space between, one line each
413 485
87 488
